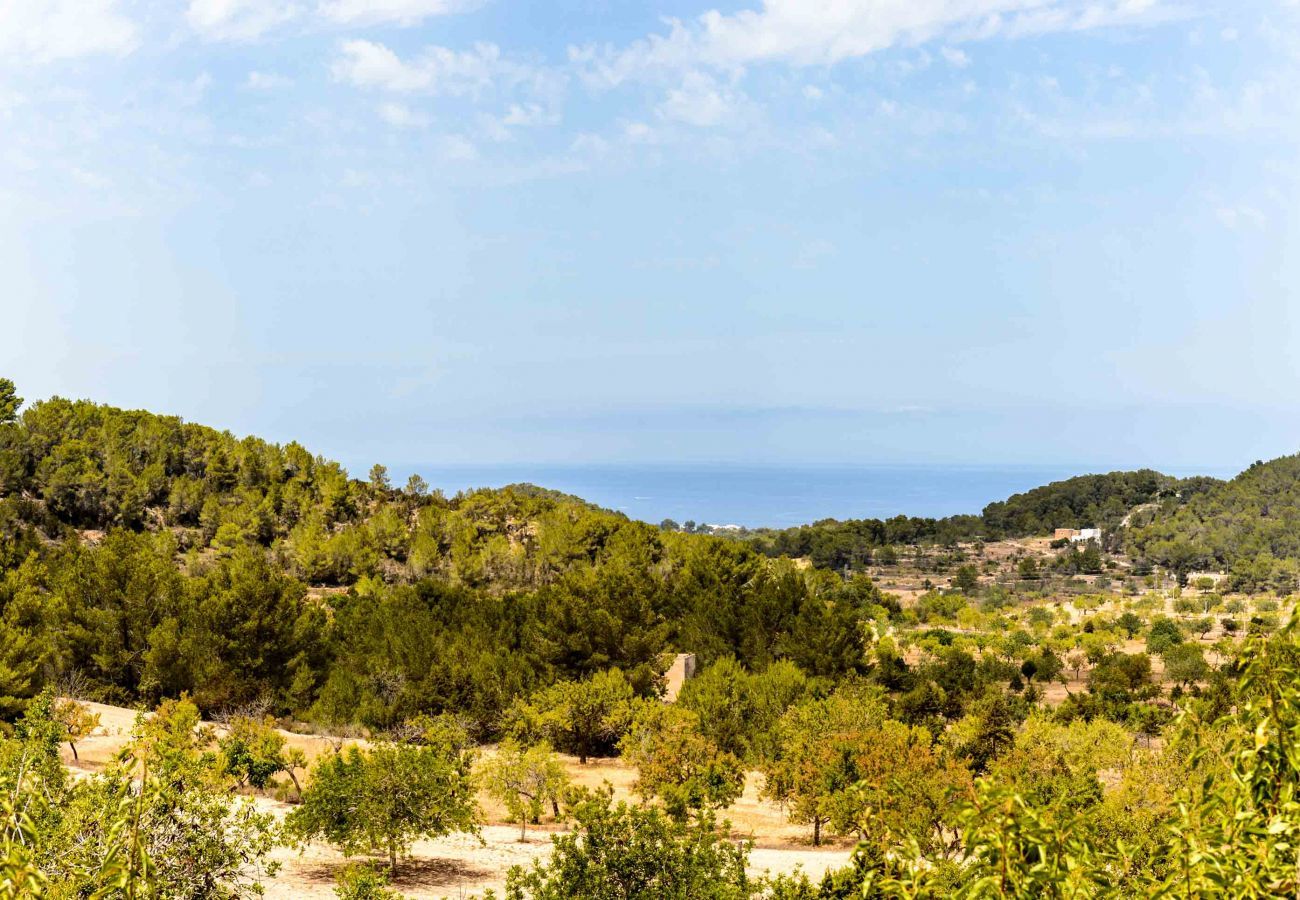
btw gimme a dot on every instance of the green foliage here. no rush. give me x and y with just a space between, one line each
152 557
1247 526
525 780
381 799
737 710
10 402
1212 814
966 580
159 821
1086 501
634 853
252 751
841 760
76 721
1164 634
362 881
678 764
1240 836
586 718
1185 664
1130 622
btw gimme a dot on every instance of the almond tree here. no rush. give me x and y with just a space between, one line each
525 780
382 799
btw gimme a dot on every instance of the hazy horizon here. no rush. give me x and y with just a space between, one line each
670 232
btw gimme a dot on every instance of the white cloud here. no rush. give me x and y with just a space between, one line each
402 12
1238 217
955 58
399 115
90 178
438 70
192 92
702 102
824 32
238 20
266 81
813 253
357 178
638 132
528 115
812 92
589 145
43 31
367 64
458 148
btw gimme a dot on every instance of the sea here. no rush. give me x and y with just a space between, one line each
766 496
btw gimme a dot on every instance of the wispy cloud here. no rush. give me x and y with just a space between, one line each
266 81
399 115
702 101
43 31
436 70
825 32
239 20
401 12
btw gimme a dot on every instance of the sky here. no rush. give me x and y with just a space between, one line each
769 232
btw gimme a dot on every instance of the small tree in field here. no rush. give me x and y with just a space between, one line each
678 764
76 720
382 799
525 780
808 771
966 580
631 852
585 718
252 751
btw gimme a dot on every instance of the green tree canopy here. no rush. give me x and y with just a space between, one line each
381 799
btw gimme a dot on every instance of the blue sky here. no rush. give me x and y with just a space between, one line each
828 231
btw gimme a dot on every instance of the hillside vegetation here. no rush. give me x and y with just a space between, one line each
1249 527
1100 501
146 557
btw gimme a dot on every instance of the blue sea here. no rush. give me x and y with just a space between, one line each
757 496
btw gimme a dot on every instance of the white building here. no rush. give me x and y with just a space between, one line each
1086 534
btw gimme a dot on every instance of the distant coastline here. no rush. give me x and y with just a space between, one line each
772 496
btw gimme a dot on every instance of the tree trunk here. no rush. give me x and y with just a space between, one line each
74 751
817 831
523 829
555 808
392 858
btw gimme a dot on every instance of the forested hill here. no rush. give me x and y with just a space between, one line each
144 556
1084 501
1249 526
1087 501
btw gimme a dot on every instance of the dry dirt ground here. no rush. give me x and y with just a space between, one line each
463 866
